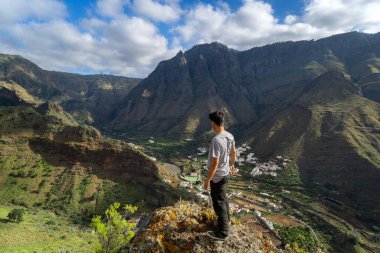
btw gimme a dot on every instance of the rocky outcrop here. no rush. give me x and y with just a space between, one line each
78 134
12 94
182 227
100 155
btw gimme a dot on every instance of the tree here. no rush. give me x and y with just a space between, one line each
114 231
16 215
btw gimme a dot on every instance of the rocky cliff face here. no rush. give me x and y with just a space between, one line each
176 97
172 92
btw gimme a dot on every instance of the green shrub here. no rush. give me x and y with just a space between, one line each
352 238
16 215
18 173
42 183
114 231
50 222
24 187
32 174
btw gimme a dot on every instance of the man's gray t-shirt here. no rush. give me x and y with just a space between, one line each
220 147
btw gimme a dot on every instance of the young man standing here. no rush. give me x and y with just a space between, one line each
221 159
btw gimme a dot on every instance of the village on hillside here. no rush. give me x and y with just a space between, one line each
246 200
241 201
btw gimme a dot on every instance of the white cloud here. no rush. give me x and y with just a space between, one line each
344 15
153 9
130 38
110 41
123 45
18 10
254 23
290 19
111 8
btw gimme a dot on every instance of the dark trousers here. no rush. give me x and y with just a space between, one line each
220 204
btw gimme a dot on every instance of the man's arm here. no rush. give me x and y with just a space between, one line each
232 160
211 171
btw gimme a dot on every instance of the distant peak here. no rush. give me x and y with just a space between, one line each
181 57
214 44
180 53
218 44
207 47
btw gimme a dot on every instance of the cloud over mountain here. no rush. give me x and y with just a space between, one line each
129 37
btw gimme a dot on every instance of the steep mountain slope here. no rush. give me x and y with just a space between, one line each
175 98
176 95
90 98
48 160
334 134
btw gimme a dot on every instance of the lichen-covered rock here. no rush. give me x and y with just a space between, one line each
182 228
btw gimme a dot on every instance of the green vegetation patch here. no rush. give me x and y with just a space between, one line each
298 239
56 233
191 179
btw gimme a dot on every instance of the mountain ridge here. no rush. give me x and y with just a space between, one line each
243 83
334 139
90 98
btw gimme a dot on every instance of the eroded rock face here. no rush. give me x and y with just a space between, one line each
182 227
97 153
12 94
175 98
78 134
9 98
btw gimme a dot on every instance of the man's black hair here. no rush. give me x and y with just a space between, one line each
217 117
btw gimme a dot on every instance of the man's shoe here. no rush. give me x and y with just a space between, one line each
216 236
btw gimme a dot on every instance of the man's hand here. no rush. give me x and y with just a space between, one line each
232 169
207 184
211 172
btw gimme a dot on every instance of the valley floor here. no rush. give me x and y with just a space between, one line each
283 200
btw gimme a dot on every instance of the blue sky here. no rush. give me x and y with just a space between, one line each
130 37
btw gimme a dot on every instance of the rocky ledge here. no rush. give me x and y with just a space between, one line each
182 228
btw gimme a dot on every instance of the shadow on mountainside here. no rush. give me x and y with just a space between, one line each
135 177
